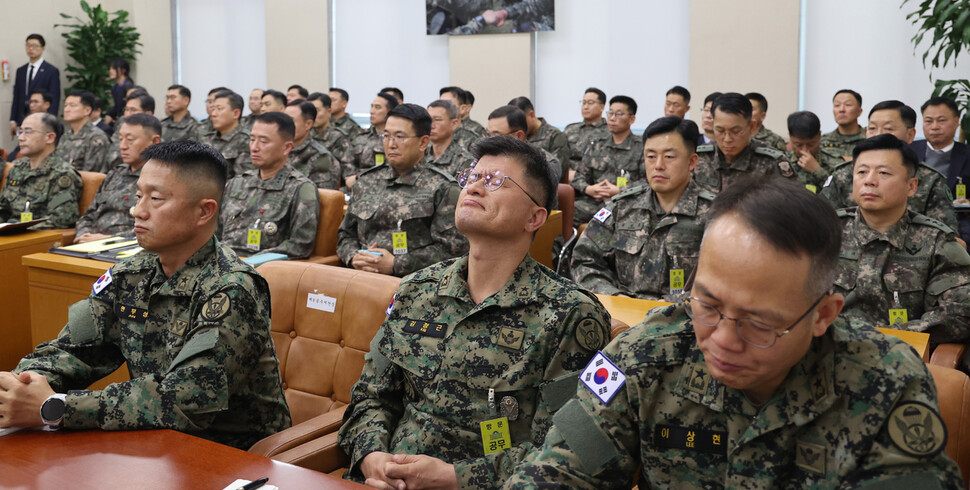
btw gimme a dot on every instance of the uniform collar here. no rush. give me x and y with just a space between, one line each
183 282
410 177
686 205
520 289
277 182
895 236
743 162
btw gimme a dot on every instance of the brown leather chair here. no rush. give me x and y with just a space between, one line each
331 215
541 249
321 353
953 390
948 355
567 204
91 182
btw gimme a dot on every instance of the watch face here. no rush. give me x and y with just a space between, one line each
52 409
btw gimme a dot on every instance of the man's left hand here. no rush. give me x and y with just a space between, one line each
21 396
421 471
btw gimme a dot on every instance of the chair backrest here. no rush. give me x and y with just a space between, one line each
567 204
331 215
953 391
91 181
321 352
541 249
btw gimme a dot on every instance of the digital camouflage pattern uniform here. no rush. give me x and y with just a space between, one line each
109 212
53 190
859 407
185 130
770 139
423 201
916 265
315 161
551 139
468 133
86 150
606 160
581 135
714 173
338 142
198 348
347 124
932 198
452 161
838 145
234 146
367 150
286 207
427 393
637 244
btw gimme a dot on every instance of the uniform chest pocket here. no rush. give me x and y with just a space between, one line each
628 242
365 209
908 283
507 364
683 250
847 272
416 215
419 355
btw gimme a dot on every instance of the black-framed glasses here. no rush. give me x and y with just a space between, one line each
491 180
753 332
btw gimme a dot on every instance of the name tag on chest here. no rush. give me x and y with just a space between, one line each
707 441
430 329
126 312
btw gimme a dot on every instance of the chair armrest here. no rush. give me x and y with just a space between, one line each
325 260
301 433
617 327
948 355
321 454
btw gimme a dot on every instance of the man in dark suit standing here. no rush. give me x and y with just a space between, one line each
35 74
941 119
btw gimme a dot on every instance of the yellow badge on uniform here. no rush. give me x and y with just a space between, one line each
898 315
253 239
812 188
378 158
400 240
495 435
676 281
621 181
916 429
25 217
217 307
961 191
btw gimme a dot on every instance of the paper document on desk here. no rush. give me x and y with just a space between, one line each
101 245
9 430
236 485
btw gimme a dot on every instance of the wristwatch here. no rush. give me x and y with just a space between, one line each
52 410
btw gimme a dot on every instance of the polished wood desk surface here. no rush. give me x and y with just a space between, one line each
66 263
156 459
919 340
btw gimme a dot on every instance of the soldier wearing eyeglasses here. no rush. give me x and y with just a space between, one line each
401 216
753 381
477 353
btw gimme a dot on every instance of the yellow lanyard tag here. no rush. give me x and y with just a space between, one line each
898 315
26 216
253 238
676 281
621 181
812 188
495 435
400 239
961 191
378 158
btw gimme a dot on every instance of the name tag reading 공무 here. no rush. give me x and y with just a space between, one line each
708 441
898 315
25 217
378 158
495 435
961 191
621 181
676 281
253 239
812 188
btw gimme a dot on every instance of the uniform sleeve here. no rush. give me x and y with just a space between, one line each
594 264
96 153
939 204
946 316
447 241
304 219
839 188
560 148
63 201
6 201
348 240
583 174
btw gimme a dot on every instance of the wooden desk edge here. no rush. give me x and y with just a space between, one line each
66 263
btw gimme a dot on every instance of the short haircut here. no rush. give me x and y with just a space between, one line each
889 142
120 64
38 38
906 113
469 96
460 94
86 98
52 125
804 124
396 92
217 90
322 97
45 95
937 101
276 94
391 101
733 103
537 175
135 92
183 90
681 91
790 219
513 116
299 89
600 95
686 128
856 95
343 93
98 103
194 164
760 99
418 116
235 100
307 109
147 121
711 97
630 104
147 102
448 106
523 103
284 123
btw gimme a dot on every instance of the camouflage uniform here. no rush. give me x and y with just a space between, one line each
468 133
812 181
185 130
554 141
770 139
917 264
367 150
53 190
581 136
315 161
109 212
423 200
714 173
247 121
198 348
932 198
338 142
205 128
838 145
452 161
234 147
605 160
428 393
85 150
347 124
287 208
843 417
633 249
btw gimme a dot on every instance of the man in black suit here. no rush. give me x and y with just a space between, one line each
35 74
941 119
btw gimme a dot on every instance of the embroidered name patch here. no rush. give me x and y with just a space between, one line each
131 313
707 441
430 329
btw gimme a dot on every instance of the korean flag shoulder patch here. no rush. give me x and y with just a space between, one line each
603 215
602 377
102 282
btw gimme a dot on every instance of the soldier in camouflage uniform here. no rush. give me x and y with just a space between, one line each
109 214
255 108
191 320
83 145
452 355
543 135
40 178
765 136
338 116
611 163
179 125
580 135
368 151
898 267
444 152
228 136
523 16
690 399
309 156
509 120
644 245
811 165
335 139
271 208
469 131
402 211
137 102
846 108
735 155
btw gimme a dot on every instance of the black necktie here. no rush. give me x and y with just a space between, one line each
30 78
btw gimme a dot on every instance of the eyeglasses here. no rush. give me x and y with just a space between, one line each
30 131
491 180
589 102
33 46
735 132
616 113
751 331
395 138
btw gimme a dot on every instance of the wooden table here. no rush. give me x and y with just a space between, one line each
155 459
14 300
919 340
628 310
